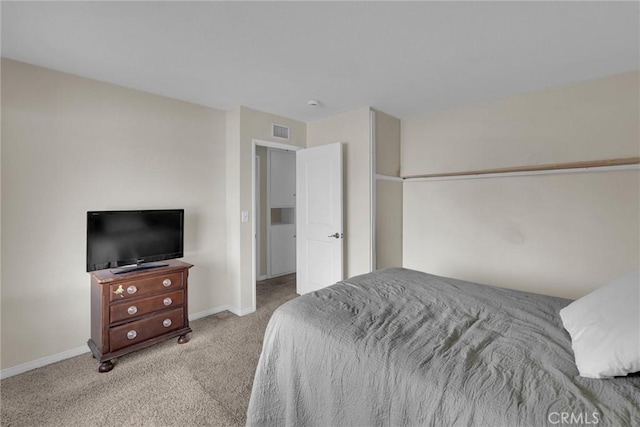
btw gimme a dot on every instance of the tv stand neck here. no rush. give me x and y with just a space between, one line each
139 267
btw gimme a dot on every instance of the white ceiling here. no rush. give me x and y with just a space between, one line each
403 58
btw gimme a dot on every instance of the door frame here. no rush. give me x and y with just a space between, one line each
258 213
268 144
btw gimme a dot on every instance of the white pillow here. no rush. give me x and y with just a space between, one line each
605 328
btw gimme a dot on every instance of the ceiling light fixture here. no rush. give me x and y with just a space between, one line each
313 102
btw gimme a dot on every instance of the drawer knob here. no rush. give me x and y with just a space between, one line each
132 334
132 289
166 282
167 301
166 323
132 310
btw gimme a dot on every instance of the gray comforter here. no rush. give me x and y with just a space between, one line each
400 347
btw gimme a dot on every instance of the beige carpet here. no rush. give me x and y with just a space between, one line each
204 382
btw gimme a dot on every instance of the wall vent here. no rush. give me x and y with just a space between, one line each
279 131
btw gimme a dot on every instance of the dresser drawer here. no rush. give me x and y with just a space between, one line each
134 332
135 308
150 286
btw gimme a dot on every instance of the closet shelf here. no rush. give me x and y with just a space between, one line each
554 167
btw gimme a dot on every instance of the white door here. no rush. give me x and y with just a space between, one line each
319 217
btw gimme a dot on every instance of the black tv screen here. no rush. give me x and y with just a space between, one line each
120 238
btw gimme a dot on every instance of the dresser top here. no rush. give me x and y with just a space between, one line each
108 275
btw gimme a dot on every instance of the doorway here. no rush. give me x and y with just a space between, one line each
275 212
273 225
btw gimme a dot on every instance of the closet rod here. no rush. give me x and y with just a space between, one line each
535 168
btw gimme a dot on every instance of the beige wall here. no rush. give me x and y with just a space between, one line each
387 144
592 120
555 234
1 138
388 237
388 224
233 207
353 130
70 145
562 235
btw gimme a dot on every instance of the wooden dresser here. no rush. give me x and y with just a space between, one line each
134 310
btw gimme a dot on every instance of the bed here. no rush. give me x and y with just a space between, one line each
401 347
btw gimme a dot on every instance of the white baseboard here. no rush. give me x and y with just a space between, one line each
24 367
220 309
239 312
261 278
214 310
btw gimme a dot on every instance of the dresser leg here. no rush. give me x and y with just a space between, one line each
105 366
182 339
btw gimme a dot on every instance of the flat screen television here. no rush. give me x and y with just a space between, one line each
133 240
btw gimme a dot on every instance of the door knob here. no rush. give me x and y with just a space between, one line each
336 235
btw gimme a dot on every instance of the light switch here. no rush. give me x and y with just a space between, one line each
245 216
